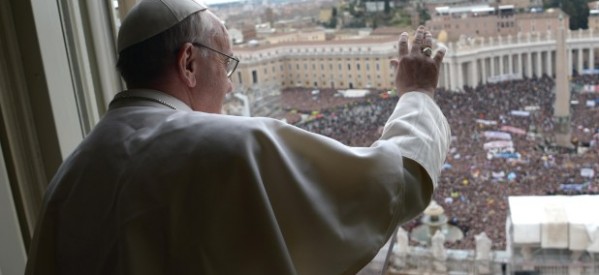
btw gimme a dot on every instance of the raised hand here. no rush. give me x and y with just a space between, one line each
415 70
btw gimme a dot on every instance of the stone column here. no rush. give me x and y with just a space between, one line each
439 253
569 60
529 64
501 61
441 82
520 70
510 64
580 60
483 62
591 58
549 63
527 255
483 253
493 66
446 71
455 76
474 73
460 76
539 63
403 249
561 110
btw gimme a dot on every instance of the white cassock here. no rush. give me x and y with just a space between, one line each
152 190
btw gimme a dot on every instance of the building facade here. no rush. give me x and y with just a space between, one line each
521 4
344 64
483 60
487 21
594 20
365 63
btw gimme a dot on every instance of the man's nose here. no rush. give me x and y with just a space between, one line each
231 86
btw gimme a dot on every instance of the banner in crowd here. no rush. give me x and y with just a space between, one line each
591 89
591 103
513 130
573 186
498 144
590 71
532 108
486 122
520 113
497 135
354 93
503 77
507 155
498 175
587 172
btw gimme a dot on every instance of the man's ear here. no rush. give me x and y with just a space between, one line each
186 64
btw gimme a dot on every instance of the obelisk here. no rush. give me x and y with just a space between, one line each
561 110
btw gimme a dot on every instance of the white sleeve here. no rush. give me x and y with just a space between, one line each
420 129
336 205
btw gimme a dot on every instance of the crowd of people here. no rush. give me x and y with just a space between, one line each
355 121
477 180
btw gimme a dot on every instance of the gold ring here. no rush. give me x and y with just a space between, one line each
427 51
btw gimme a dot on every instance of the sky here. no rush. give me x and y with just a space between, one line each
116 3
217 1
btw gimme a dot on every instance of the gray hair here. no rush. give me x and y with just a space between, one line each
144 62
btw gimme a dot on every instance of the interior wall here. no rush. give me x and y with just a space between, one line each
57 61
12 248
28 162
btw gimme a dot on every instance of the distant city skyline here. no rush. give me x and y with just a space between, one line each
218 1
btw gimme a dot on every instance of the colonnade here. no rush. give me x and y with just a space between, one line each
474 62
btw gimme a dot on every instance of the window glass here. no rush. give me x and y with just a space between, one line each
478 82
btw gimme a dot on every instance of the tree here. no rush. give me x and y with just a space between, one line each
424 16
578 10
352 9
269 15
387 7
333 22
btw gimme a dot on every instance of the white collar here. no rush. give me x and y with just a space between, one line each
155 96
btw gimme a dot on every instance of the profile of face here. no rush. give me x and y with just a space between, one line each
212 82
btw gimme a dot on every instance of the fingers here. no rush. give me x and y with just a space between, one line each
403 44
428 40
423 39
439 56
418 40
427 44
